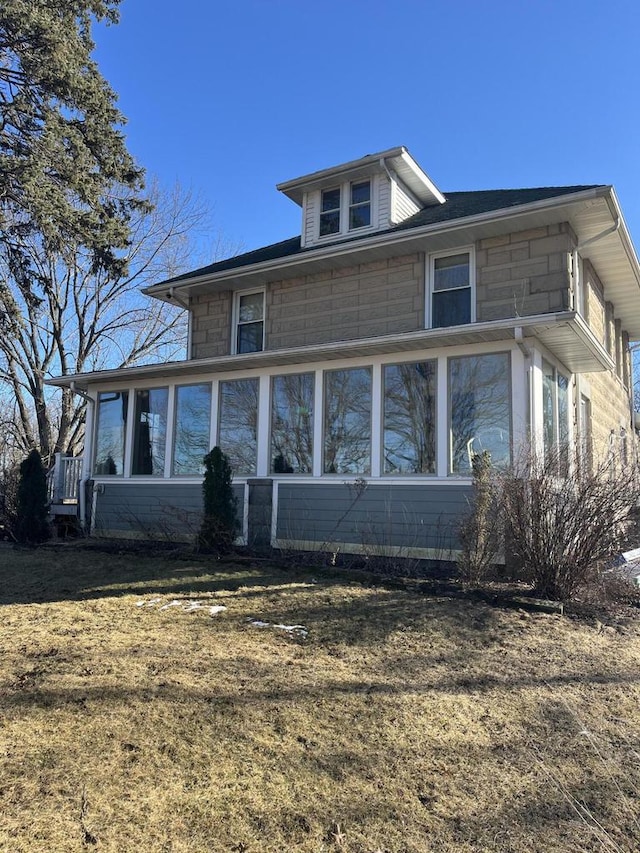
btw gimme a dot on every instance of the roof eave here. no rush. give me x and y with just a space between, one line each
397 236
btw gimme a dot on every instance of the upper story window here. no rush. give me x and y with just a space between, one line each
345 208
330 212
360 205
451 289
249 324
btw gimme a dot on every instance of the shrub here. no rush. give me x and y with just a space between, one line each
480 530
219 523
31 526
560 530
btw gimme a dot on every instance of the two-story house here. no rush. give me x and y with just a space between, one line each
352 372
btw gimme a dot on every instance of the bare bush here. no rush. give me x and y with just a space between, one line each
480 531
561 527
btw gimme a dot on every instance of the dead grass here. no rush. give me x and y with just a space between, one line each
403 722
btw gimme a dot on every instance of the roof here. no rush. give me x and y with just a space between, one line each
458 205
398 159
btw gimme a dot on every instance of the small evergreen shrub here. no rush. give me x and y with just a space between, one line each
32 526
219 523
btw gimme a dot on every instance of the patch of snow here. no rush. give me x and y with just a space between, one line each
297 630
187 605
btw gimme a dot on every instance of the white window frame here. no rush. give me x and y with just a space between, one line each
235 319
345 208
430 278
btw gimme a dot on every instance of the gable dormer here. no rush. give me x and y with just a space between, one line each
361 197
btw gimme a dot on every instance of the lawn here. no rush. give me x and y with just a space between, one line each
391 720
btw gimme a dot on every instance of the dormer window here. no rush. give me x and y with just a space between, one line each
330 214
345 208
360 207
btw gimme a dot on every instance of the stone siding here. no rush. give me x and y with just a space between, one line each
524 273
360 301
610 410
211 325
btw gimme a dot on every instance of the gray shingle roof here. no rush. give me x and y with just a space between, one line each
458 205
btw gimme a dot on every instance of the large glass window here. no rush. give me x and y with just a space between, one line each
360 205
479 410
410 418
451 290
250 324
111 422
347 421
191 436
238 427
555 412
292 424
150 432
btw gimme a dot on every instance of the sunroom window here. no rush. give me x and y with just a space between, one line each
410 418
292 424
150 432
451 289
238 428
479 410
555 413
347 421
111 422
192 426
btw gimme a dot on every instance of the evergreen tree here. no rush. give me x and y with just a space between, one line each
31 524
219 522
63 159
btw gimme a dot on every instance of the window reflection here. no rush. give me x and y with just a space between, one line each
480 409
347 421
150 432
292 424
409 418
110 432
238 433
192 428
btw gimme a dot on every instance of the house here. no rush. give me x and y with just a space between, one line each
352 372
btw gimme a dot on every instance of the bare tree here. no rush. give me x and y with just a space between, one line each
73 315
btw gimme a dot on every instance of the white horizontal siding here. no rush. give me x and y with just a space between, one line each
405 204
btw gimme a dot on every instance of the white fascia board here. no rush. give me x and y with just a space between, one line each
625 237
293 189
360 347
398 237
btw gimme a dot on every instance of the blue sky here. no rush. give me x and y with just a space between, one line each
232 98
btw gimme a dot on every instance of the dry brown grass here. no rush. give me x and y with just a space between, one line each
403 722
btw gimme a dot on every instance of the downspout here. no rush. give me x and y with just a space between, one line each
574 255
82 500
526 352
392 189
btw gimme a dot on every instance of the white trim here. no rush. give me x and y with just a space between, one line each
315 198
263 426
235 316
170 431
318 423
443 430
430 260
320 368
377 418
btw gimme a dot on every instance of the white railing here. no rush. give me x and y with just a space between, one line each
63 479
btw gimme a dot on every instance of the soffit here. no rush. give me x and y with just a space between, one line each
564 334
